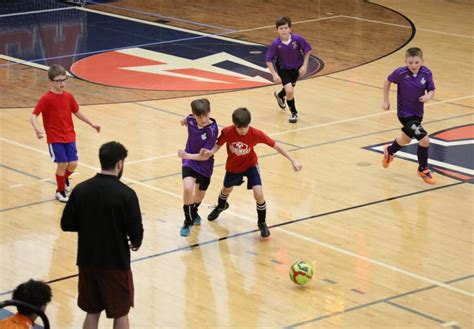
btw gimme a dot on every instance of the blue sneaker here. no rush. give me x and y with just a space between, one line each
197 220
185 231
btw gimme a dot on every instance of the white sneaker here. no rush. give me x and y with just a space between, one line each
281 101
293 118
68 186
62 197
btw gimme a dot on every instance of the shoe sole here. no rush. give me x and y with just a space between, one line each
385 164
431 181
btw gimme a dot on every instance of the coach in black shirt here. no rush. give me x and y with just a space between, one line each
106 215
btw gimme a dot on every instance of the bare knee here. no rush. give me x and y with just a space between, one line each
425 142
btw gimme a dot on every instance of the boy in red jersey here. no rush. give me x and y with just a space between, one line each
243 161
56 107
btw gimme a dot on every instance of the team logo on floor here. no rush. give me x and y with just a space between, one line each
451 152
228 65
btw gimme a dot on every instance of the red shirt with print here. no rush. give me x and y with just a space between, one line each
240 153
57 112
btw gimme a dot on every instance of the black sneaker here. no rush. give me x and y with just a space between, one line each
215 213
264 231
293 117
281 101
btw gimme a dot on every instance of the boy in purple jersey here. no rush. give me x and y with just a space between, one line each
415 87
287 59
197 169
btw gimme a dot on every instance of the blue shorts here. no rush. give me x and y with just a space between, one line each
252 174
63 152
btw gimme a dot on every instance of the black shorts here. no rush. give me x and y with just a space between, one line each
234 179
412 127
201 180
109 290
288 75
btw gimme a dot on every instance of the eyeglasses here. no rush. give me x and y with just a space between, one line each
60 80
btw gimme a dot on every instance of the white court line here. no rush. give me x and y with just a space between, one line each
252 220
32 64
154 158
362 117
408 27
35 12
35 182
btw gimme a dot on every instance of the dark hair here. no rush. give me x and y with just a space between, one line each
36 293
200 106
56 70
412 52
241 117
282 21
110 153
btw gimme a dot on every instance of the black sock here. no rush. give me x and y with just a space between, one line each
394 148
282 93
422 157
262 212
291 105
221 200
195 209
188 217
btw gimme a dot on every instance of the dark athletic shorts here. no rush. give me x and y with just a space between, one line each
252 174
109 290
412 127
203 181
288 76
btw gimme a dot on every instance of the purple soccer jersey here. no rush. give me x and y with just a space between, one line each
288 56
410 89
200 138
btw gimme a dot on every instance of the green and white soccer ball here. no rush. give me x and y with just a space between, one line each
301 272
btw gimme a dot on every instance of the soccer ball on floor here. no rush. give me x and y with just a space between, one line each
301 272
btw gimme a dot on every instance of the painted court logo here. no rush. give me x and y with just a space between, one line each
451 152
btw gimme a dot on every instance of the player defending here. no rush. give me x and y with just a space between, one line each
243 161
56 107
287 59
415 87
197 169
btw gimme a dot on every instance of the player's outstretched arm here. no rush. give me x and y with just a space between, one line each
297 166
386 99
83 118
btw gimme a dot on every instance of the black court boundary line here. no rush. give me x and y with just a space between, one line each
235 235
347 310
413 32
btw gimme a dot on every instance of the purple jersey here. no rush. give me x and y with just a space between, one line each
288 56
199 138
410 89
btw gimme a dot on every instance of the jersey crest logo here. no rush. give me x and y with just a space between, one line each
204 136
451 152
423 81
239 148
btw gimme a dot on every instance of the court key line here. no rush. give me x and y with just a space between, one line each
300 236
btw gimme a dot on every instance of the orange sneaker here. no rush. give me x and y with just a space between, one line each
387 157
427 176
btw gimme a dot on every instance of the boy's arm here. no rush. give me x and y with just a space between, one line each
386 99
426 97
276 77
297 166
34 123
304 68
203 155
83 118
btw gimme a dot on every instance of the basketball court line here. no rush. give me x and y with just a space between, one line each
300 236
404 26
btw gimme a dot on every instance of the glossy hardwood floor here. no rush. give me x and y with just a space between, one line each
389 251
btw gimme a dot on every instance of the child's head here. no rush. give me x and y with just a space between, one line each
414 59
241 118
57 76
201 109
283 26
36 293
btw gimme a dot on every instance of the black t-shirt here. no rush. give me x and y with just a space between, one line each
106 214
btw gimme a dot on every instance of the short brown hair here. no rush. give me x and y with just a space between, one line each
56 70
200 106
282 21
412 52
241 117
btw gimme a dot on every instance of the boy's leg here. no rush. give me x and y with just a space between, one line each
222 203
91 321
261 210
422 152
71 166
198 197
61 182
290 100
121 323
390 150
188 204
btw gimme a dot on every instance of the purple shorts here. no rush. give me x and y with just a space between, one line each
63 152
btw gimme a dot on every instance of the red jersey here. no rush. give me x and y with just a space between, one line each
240 153
17 321
57 112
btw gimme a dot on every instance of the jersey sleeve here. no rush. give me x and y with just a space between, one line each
271 52
73 104
222 139
394 77
261 137
304 45
430 85
212 132
40 106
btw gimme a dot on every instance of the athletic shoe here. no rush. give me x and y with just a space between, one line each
427 176
185 230
197 220
264 231
215 213
281 101
68 186
387 157
62 197
293 117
